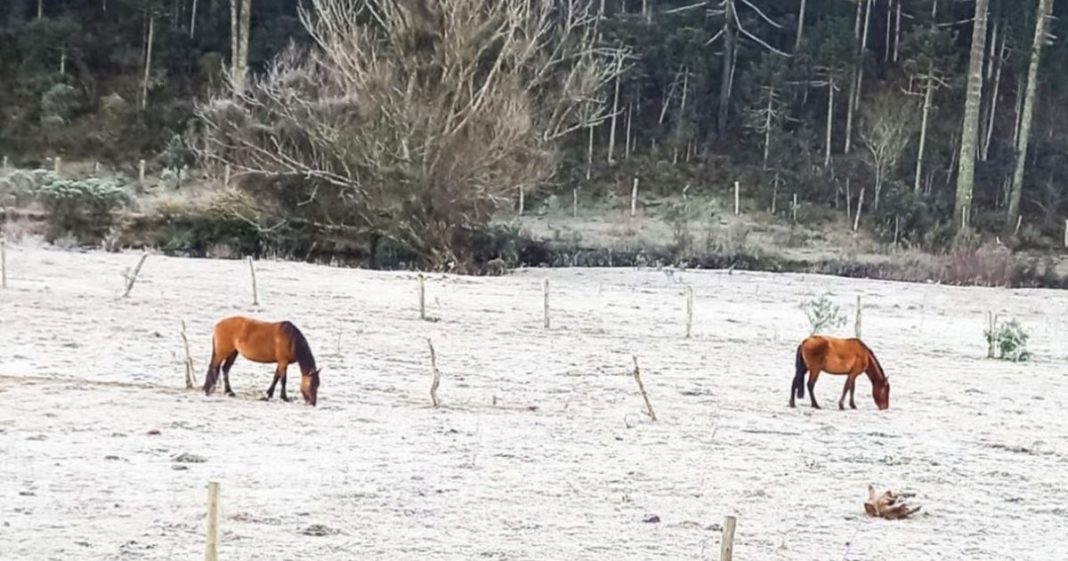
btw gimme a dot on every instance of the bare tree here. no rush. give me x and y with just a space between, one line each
886 125
413 121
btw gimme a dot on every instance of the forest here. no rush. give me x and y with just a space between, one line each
924 122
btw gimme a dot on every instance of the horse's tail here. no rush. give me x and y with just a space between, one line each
213 371
799 374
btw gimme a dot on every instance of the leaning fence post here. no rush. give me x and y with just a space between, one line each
132 277
634 199
689 311
255 292
856 326
422 297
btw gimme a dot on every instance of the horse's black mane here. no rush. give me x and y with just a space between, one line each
300 348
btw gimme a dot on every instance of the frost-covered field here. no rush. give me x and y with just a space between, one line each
540 450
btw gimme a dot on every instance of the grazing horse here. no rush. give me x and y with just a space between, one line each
850 357
263 342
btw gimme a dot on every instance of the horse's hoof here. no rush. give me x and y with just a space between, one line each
265 398
231 394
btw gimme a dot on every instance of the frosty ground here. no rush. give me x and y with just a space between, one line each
540 450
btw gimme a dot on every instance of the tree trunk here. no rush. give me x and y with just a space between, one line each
970 124
830 120
800 26
148 57
860 205
239 30
897 30
889 17
626 145
1042 18
615 112
728 67
40 9
767 129
923 128
589 157
855 89
193 20
984 152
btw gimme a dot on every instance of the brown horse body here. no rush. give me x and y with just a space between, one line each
848 357
279 343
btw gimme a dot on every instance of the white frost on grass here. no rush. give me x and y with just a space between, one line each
551 471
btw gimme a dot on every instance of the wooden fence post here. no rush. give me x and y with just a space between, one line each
545 295
574 202
737 199
856 326
132 278
3 262
689 311
211 547
422 297
141 170
726 545
793 208
522 199
437 374
634 199
255 292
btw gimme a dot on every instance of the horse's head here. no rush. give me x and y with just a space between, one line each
309 386
881 392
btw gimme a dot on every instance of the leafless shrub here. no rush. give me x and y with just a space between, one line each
411 120
987 265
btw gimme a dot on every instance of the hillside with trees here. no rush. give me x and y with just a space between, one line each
414 125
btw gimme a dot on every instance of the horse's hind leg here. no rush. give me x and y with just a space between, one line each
212 377
852 391
845 390
813 375
227 364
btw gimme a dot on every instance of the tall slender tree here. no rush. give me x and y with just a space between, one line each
1045 8
970 126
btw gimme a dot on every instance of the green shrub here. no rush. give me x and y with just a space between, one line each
84 209
823 314
1009 340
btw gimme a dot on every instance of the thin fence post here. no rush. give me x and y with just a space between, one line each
793 208
574 202
141 170
211 547
226 175
5 161
634 199
522 199
255 292
856 326
726 545
57 164
689 311
990 335
422 297
96 167
437 374
545 295
737 199
190 377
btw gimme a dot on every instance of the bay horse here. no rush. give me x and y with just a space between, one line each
278 343
849 357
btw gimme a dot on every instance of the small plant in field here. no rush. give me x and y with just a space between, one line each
1009 340
823 314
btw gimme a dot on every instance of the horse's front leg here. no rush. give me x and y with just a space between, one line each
845 390
282 367
270 389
